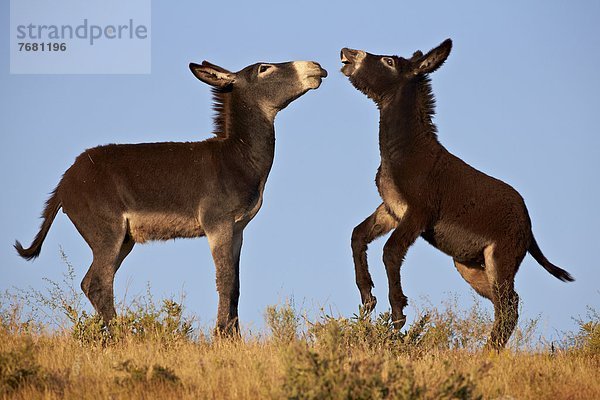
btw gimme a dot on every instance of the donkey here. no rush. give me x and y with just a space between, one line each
479 221
119 195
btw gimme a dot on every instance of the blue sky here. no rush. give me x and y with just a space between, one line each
517 99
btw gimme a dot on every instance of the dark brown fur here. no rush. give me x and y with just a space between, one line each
480 221
119 195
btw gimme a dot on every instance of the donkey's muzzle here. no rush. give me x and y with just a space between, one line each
318 70
351 59
350 56
322 71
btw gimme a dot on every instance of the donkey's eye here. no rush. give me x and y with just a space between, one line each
389 61
264 68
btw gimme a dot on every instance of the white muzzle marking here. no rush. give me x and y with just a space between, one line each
309 74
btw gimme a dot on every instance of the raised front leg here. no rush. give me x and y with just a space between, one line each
225 248
377 224
394 251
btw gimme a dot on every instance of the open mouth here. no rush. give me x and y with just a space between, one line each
348 58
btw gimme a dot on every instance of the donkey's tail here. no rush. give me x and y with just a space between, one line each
559 273
52 206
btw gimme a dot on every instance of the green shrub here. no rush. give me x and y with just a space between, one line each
12 319
283 323
332 373
61 303
328 364
143 320
587 339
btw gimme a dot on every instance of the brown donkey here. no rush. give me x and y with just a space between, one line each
480 221
119 195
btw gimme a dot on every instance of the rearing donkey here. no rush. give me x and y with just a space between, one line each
119 195
480 221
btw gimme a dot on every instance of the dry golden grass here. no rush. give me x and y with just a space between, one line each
154 354
59 367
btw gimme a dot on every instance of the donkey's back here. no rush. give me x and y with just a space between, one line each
473 209
143 186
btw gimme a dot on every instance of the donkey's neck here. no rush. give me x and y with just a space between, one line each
405 123
248 129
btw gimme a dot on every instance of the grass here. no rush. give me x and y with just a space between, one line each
154 352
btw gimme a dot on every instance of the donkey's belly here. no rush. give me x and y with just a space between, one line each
145 226
456 241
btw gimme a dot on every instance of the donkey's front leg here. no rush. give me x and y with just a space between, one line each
225 247
394 251
235 294
377 224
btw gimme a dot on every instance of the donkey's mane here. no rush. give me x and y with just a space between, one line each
222 108
426 103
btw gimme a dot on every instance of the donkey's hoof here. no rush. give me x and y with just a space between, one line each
230 330
492 347
370 303
399 323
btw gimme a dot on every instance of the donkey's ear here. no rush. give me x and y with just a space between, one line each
416 55
434 59
212 74
214 66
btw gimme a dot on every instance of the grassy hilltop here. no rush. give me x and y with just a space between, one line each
155 352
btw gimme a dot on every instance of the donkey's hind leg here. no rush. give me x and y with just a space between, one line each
476 276
377 224
109 251
501 268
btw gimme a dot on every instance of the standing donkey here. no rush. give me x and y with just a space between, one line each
480 221
119 195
